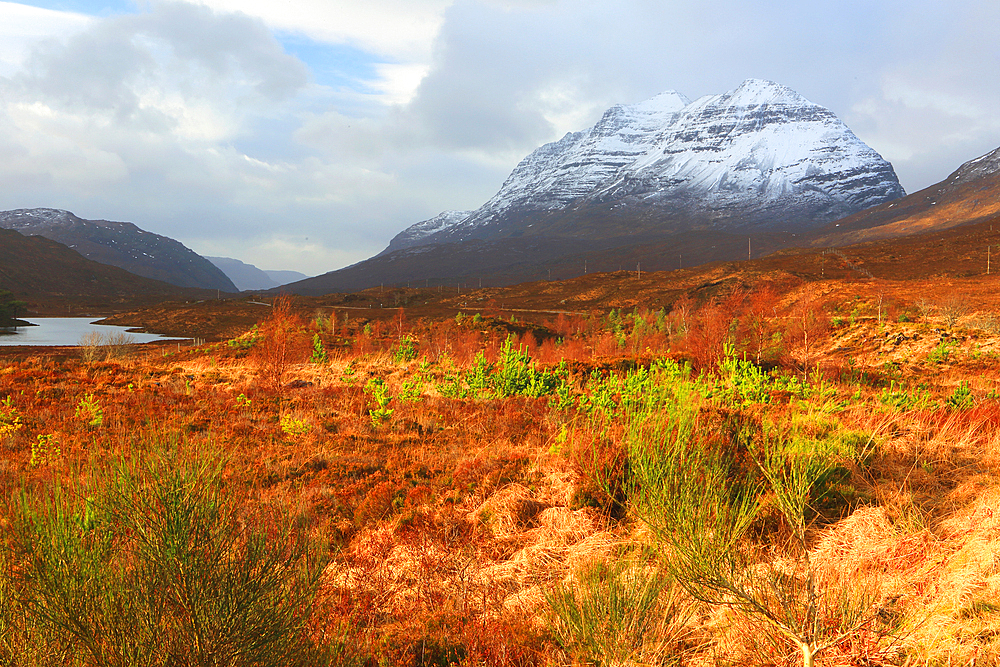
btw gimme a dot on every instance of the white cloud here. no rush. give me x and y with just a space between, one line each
402 29
24 26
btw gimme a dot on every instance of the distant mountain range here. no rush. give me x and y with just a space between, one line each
249 277
760 161
121 244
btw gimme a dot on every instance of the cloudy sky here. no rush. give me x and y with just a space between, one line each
304 134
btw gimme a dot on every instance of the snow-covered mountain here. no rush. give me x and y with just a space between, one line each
120 244
760 157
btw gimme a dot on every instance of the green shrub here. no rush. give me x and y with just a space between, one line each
293 426
247 340
380 394
89 411
44 450
10 418
961 398
406 350
898 397
700 486
939 354
158 566
318 355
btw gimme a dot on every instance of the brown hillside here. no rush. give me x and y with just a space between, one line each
55 279
942 206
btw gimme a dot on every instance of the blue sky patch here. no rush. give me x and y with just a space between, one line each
88 7
338 66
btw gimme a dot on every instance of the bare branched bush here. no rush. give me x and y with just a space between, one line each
987 322
283 344
90 346
97 346
952 309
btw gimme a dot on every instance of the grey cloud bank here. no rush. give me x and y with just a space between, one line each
196 124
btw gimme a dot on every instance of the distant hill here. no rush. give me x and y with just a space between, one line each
121 244
53 278
285 277
969 195
249 277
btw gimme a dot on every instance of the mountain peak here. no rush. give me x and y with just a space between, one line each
669 101
754 92
26 217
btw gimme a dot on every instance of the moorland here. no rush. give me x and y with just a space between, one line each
791 460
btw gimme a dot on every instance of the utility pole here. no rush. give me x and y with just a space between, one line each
584 267
748 248
987 260
638 271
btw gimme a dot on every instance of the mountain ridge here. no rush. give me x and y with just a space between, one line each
121 244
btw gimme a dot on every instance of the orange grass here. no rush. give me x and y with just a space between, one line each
450 520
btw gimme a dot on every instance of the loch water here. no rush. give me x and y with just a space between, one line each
67 331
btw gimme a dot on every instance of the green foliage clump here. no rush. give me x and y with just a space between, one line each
406 350
961 398
410 392
380 394
349 374
292 426
10 418
611 394
940 354
319 355
89 411
701 487
901 399
45 450
246 341
515 374
155 565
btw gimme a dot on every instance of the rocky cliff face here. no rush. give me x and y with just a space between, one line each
760 157
121 244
